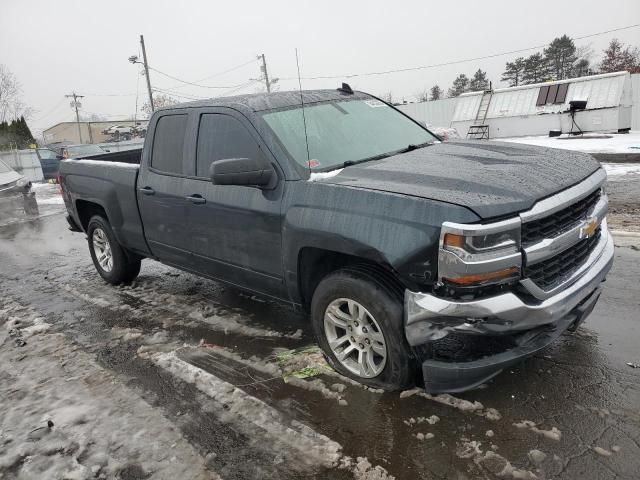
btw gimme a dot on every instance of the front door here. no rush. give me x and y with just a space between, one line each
235 231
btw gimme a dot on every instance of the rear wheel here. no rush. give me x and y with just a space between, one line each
112 262
358 324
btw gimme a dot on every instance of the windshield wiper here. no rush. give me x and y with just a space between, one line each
412 147
408 148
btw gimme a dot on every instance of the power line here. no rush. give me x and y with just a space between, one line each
444 64
217 74
190 83
50 111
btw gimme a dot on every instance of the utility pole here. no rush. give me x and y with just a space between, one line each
146 72
76 104
266 74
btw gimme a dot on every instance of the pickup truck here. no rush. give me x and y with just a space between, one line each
410 255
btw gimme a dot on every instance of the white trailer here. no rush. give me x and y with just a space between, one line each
539 108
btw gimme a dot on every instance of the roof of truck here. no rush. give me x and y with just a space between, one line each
268 101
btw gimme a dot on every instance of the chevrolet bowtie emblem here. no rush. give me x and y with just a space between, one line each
589 228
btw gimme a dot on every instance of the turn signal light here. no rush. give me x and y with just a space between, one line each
481 278
453 240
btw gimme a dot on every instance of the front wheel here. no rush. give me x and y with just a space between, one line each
358 323
112 262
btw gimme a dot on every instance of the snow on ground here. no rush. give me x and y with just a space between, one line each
63 416
620 169
590 143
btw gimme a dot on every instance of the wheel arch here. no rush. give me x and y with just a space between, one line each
314 264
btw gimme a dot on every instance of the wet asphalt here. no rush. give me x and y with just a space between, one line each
580 387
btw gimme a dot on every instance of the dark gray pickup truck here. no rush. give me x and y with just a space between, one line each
456 259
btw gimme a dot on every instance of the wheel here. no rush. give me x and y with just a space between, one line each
358 324
112 262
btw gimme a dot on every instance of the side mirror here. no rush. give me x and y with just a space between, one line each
59 157
241 171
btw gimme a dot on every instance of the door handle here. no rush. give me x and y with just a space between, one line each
147 190
197 199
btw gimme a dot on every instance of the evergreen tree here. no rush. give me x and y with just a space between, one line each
513 72
618 57
536 69
460 85
436 92
479 81
561 56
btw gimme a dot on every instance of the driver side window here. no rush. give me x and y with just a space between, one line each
222 136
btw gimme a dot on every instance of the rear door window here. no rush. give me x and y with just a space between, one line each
168 144
222 136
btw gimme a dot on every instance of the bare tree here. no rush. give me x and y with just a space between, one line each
159 101
422 95
387 97
11 104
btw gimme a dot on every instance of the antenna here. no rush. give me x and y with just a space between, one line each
304 118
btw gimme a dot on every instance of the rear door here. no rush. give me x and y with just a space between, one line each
235 231
161 189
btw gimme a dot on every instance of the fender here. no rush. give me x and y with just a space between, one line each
396 231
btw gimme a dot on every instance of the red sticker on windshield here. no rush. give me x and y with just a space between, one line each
313 163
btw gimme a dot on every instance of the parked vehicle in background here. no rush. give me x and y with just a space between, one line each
75 151
393 241
50 162
15 193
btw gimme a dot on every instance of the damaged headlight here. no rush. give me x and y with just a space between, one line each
480 254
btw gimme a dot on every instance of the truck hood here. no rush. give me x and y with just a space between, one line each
492 179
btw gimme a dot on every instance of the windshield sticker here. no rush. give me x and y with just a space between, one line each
374 103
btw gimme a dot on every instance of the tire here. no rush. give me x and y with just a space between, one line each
382 305
117 266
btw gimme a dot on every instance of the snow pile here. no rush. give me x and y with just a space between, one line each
315 176
459 403
309 447
590 143
63 416
553 434
620 169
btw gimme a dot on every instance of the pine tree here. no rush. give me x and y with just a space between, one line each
436 92
561 55
25 133
460 85
513 72
479 81
618 57
536 69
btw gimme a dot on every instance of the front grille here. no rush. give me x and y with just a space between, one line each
555 270
560 221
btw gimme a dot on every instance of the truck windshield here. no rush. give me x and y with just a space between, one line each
344 132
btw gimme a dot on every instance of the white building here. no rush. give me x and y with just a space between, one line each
537 109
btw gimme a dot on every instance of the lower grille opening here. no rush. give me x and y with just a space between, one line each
552 272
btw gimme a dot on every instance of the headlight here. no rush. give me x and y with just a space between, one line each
23 183
480 254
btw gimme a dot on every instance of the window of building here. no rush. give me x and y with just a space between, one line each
168 143
222 136
552 94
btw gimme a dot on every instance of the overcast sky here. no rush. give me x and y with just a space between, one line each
55 47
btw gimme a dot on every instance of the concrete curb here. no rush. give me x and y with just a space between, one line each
624 233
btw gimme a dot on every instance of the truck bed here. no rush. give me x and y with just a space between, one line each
132 156
109 182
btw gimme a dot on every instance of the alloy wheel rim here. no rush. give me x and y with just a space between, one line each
355 338
102 249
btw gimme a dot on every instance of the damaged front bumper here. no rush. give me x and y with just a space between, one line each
533 323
